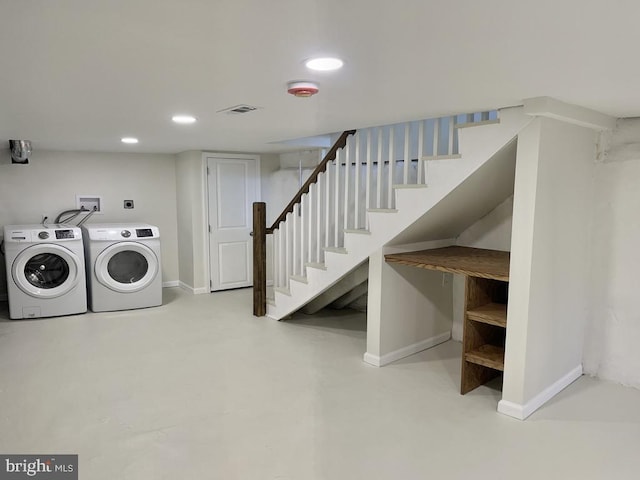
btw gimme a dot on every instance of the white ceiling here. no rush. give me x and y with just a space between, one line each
80 74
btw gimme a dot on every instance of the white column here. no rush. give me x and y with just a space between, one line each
356 189
407 153
347 168
421 126
379 185
367 197
549 290
392 163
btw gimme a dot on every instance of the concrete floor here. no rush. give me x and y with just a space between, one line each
198 388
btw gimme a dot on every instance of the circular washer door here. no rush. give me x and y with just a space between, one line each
126 267
45 270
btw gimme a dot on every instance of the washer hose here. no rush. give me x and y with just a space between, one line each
86 217
76 211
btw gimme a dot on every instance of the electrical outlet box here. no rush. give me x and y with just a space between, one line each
128 204
90 202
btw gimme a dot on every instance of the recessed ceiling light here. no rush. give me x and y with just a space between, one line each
183 119
324 64
130 140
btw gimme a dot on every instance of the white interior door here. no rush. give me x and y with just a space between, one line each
234 184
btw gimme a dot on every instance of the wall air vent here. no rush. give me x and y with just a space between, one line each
237 109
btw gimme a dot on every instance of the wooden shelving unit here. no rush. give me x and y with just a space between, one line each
486 292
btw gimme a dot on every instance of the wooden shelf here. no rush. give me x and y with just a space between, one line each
488 356
486 294
475 262
491 313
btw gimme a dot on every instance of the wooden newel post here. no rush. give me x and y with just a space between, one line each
259 259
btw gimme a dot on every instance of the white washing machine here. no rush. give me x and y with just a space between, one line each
45 270
123 266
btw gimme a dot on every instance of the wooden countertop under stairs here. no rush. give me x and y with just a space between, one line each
486 292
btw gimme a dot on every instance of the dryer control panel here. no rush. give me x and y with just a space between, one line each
121 232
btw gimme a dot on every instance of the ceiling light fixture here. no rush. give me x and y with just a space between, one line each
129 140
183 119
324 64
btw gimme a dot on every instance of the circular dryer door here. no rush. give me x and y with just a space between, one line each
126 267
46 271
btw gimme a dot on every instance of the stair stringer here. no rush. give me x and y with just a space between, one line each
477 145
339 290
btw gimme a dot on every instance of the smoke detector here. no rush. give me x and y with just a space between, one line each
302 89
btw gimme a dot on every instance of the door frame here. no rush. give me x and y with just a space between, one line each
205 175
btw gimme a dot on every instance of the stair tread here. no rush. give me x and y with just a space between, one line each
410 185
441 157
382 210
319 266
284 291
491 313
299 278
361 231
340 250
490 356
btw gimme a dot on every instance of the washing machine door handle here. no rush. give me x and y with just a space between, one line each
126 267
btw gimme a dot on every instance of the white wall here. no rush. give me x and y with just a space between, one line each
306 158
613 327
280 175
191 200
281 178
169 191
190 204
408 308
269 164
493 231
49 184
611 348
549 295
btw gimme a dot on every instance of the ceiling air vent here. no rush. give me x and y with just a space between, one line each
237 109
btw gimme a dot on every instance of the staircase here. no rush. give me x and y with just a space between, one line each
387 185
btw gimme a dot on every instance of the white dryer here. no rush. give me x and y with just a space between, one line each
123 266
45 270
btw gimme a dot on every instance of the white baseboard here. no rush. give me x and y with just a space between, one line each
193 291
171 283
521 412
403 352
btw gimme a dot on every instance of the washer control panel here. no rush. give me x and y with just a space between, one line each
60 234
40 234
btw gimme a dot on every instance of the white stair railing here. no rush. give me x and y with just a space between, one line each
364 175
